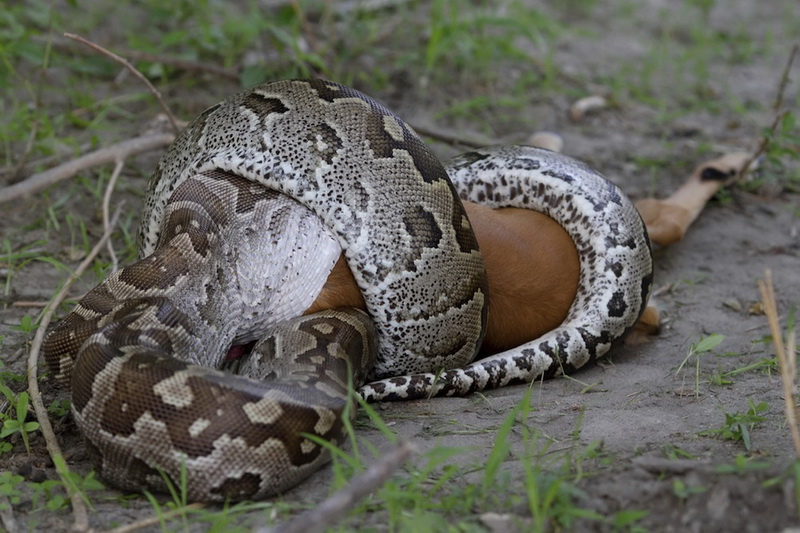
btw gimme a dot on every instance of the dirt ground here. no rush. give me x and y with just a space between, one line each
645 414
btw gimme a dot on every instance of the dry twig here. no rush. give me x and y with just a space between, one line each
155 520
305 27
786 357
171 61
186 64
16 171
7 515
81 522
113 153
8 173
28 303
116 153
450 138
339 503
124 62
778 117
106 201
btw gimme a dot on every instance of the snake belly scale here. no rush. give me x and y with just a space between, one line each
245 217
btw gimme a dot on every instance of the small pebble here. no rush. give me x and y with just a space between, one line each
734 304
587 105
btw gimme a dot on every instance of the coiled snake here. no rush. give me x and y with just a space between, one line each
246 215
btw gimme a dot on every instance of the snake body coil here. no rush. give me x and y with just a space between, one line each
246 215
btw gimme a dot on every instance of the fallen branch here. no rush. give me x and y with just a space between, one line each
8 173
171 61
307 32
342 501
81 522
186 64
106 201
450 138
28 303
109 154
124 62
155 520
16 171
779 113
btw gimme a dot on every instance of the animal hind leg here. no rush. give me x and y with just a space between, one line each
667 220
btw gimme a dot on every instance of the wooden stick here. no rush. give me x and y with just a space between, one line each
26 303
154 520
7 515
106 201
15 172
449 138
776 108
124 62
81 520
8 173
171 61
338 504
109 154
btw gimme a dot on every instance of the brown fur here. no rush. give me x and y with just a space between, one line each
668 220
532 264
533 271
340 290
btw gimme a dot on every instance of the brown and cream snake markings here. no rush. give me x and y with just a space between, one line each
248 213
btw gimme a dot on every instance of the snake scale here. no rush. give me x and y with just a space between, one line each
246 214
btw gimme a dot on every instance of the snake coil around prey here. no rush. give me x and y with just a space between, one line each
246 215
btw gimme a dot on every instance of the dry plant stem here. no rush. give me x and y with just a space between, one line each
28 303
81 521
106 200
113 153
8 174
776 108
368 5
764 144
185 64
305 28
176 62
786 356
124 62
155 520
449 138
785 78
17 171
338 504
7 519
26 153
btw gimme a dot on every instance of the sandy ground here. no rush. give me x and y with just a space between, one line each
646 416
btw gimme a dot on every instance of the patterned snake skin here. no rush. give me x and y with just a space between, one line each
246 215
